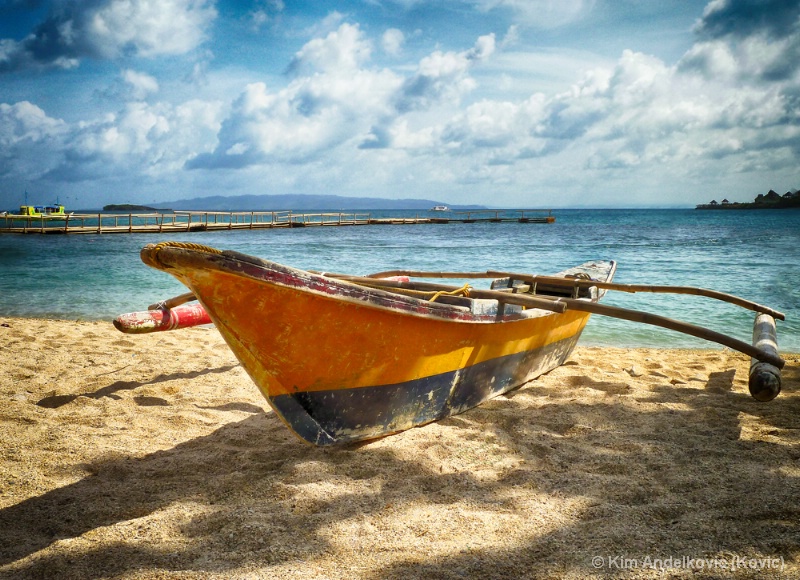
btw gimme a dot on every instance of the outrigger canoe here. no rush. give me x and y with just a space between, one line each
345 358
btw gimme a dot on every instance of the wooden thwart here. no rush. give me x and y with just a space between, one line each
544 303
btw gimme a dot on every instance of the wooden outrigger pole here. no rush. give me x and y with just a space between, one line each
583 283
173 302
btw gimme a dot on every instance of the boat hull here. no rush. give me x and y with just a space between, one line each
341 363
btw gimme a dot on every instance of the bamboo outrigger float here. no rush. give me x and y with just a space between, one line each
346 358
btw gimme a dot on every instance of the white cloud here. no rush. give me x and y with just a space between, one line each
641 114
156 138
757 58
489 124
310 117
109 29
141 84
332 98
540 13
139 140
392 41
24 121
264 12
442 76
325 26
511 38
30 141
148 28
756 41
712 59
344 49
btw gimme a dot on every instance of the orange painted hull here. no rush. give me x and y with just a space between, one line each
340 362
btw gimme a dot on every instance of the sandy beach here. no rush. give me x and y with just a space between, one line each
156 457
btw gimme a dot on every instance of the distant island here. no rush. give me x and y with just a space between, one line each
127 207
770 200
304 202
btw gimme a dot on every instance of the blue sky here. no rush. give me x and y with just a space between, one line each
511 103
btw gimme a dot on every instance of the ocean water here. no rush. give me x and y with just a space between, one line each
753 254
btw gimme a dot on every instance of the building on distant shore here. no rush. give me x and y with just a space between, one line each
771 197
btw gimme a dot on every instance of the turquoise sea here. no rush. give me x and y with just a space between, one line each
753 254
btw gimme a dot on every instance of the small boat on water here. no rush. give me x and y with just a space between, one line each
440 208
346 358
55 211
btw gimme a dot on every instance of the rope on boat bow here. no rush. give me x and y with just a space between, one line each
183 245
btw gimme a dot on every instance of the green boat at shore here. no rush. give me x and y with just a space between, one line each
55 211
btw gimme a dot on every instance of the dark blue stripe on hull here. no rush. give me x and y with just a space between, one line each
341 416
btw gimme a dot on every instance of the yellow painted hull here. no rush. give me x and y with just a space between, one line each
340 362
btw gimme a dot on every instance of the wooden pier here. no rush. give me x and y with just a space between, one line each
205 221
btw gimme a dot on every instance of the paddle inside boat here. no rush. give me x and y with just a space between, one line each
345 358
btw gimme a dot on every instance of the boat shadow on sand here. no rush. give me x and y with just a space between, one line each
670 471
56 401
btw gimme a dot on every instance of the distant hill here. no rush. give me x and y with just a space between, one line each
128 207
302 202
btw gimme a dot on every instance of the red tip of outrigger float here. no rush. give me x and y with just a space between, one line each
162 319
